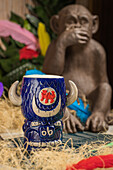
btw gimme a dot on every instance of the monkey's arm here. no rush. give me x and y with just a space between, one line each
55 58
102 72
100 97
102 93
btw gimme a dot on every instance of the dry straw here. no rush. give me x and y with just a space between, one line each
54 158
11 117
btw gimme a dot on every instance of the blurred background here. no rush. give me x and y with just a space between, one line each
29 14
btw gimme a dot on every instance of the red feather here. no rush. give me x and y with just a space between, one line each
101 161
28 53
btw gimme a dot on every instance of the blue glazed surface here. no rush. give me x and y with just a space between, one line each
46 131
42 133
82 112
33 86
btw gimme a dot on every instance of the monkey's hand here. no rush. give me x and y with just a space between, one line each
73 36
96 122
70 123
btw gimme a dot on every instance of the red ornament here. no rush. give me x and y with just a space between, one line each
26 53
101 161
47 96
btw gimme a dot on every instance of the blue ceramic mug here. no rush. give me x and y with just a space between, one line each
43 100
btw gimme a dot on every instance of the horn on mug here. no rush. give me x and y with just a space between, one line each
14 98
73 93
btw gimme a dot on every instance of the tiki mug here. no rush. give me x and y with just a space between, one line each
43 101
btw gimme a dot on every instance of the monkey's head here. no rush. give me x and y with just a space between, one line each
75 17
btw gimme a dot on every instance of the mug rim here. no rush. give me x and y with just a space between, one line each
42 76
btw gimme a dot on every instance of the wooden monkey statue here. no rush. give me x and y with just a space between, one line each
78 57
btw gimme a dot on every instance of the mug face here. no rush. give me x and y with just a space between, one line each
43 97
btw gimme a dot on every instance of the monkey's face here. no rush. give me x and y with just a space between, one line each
77 20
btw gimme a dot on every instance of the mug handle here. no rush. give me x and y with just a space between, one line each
13 97
73 93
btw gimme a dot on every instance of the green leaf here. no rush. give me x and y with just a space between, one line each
12 42
20 45
16 18
45 2
0 75
10 52
30 8
33 20
9 64
30 27
27 25
2 53
38 60
54 3
42 14
34 31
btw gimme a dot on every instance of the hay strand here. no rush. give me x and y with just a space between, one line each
16 156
